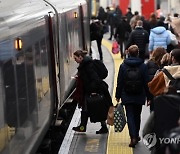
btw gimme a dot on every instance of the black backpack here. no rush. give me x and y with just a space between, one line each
174 83
133 81
100 68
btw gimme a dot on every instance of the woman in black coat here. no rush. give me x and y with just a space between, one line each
153 65
91 83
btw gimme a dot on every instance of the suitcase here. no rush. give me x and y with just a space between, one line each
97 108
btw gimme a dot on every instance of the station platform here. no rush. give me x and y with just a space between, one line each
112 142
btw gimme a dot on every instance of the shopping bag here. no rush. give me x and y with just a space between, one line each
119 118
115 47
110 116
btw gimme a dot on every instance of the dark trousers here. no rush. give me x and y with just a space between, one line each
133 113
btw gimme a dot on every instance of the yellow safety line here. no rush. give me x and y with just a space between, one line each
117 142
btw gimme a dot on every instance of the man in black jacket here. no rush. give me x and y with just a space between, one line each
139 37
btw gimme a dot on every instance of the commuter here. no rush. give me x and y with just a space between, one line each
166 60
166 105
153 21
96 33
110 22
139 37
129 14
154 64
146 24
160 82
134 19
114 18
89 82
102 15
122 34
133 97
159 37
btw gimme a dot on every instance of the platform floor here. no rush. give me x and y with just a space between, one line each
111 143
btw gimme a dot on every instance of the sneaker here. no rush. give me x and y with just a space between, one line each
79 129
103 130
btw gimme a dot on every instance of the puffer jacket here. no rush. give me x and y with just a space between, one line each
159 37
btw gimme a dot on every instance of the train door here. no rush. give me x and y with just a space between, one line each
53 61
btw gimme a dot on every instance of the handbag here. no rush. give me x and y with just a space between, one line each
115 47
96 107
119 118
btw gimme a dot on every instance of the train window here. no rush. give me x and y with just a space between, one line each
30 75
21 88
38 71
44 62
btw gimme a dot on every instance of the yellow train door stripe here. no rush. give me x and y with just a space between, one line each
117 142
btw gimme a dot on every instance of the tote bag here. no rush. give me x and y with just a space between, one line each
119 118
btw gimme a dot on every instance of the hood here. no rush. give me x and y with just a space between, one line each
133 61
158 30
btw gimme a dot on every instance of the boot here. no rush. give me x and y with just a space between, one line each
103 129
83 124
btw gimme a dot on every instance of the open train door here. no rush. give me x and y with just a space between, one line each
147 7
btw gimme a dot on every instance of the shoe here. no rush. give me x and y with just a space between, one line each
79 129
133 142
138 138
103 130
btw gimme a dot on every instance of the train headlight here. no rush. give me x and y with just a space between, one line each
18 44
75 15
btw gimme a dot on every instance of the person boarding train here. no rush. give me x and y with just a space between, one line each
89 83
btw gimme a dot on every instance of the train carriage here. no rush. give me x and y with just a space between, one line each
36 64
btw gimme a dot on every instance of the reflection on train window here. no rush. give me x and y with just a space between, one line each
21 88
44 69
38 72
31 90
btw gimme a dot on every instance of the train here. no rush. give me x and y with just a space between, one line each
37 41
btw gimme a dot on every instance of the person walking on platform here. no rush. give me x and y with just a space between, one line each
89 83
122 34
159 37
96 33
139 37
154 64
133 90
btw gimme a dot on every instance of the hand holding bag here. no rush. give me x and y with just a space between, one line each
119 118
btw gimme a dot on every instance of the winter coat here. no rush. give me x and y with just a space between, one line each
140 37
120 92
159 37
91 82
152 68
88 75
122 29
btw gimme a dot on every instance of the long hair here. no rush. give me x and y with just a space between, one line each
157 55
